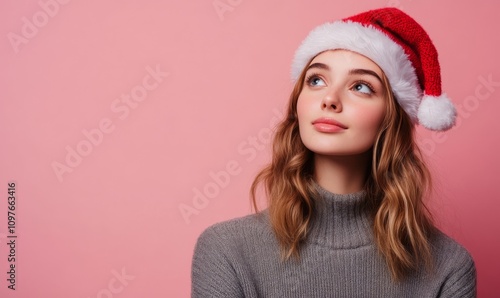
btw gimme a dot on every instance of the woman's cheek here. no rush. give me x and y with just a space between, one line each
302 105
371 116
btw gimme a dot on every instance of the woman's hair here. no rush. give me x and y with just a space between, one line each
395 188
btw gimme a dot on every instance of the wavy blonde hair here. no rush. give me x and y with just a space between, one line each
396 186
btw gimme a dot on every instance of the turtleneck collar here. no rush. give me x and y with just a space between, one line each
341 221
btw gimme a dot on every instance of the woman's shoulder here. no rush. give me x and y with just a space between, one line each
455 265
448 248
237 231
252 222
223 251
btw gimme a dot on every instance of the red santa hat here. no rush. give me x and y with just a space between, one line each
401 48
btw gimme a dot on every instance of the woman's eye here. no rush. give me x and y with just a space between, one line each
363 88
315 81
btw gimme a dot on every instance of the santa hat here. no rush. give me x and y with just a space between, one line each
401 48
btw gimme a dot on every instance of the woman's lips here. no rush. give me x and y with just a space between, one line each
328 125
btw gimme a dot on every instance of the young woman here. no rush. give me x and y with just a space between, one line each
346 184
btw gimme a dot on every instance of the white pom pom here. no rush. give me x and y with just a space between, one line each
437 112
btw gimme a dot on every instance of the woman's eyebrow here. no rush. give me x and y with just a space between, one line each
365 71
318 65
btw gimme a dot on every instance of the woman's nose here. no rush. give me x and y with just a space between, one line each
331 100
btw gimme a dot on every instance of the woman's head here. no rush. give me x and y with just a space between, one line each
350 89
342 103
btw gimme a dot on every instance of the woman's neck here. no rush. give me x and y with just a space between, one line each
341 174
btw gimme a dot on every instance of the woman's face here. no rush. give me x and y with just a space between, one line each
342 104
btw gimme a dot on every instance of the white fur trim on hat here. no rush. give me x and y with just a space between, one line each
437 112
371 43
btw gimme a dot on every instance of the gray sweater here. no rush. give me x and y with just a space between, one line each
240 258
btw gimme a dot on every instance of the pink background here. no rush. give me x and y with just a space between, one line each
117 209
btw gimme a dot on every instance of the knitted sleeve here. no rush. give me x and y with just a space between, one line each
462 282
212 274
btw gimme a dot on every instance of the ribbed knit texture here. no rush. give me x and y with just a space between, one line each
240 258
